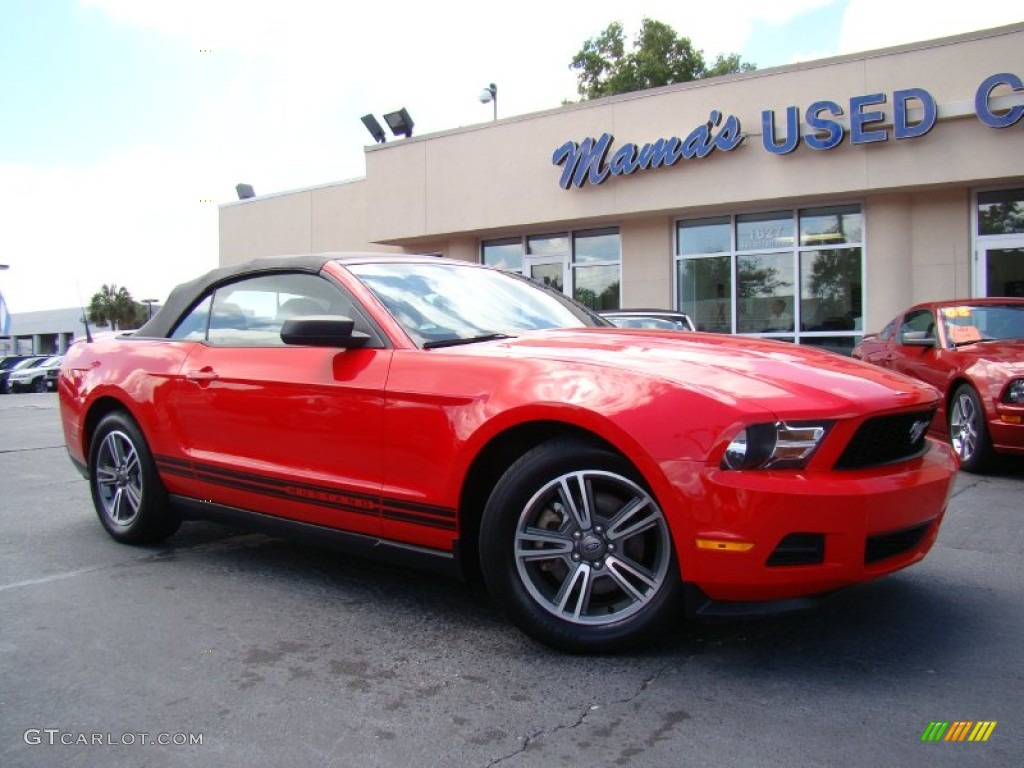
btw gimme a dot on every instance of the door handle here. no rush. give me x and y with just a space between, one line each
202 376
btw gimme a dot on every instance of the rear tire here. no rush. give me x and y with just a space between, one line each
968 431
129 496
577 551
39 385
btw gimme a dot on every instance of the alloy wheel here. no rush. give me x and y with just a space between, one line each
119 478
592 547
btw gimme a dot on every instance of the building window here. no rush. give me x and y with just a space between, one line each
791 275
596 261
585 264
1001 213
506 253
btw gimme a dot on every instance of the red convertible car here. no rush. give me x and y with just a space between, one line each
972 350
446 413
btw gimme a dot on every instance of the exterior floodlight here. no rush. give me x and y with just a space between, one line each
489 95
374 128
245 191
399 122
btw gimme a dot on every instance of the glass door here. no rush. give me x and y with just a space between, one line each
547 271
1001 267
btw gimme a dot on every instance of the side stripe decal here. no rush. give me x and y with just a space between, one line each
356 502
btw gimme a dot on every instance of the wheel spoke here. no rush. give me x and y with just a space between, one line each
131 463
133 494
534 544
116 452
106 476
580 512
578 584
625 573
116 505
635 517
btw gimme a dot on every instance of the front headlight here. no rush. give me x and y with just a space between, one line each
778 445
1015 392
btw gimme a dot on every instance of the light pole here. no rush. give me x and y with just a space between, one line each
5 317
149 307
490 95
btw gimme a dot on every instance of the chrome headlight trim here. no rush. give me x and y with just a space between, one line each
1014 393
775 445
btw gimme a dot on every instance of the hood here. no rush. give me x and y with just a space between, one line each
1006 353
789 379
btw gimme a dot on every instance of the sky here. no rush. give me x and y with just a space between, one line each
125 123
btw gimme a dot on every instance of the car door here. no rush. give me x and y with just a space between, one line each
290 431
920 362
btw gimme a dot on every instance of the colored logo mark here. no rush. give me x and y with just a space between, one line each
958 730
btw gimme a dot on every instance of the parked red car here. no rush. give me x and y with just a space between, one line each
972 350
446 413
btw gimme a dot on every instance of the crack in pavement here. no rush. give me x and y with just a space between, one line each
36 448
533 737
166 555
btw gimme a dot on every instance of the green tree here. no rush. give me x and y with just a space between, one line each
659 57
115 307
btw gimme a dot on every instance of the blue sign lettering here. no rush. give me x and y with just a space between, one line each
983 109
902 129
859 118
585 162
833 131
792 131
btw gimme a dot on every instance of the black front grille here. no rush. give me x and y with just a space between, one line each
799 549
885 439
891 544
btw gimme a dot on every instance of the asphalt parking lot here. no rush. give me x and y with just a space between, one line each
274 654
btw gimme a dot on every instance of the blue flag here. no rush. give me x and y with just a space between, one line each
5 318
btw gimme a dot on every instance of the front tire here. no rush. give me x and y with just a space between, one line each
968 430
129 497
577 551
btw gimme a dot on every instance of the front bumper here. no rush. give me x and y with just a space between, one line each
1007 429
754 536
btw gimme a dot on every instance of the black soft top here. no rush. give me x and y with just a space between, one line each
184 296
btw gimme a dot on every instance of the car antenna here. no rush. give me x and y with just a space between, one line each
85 315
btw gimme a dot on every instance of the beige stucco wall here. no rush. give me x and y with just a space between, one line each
328 218
647 273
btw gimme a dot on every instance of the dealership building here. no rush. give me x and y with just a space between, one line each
809 202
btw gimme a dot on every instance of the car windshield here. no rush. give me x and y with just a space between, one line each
443 304
971 323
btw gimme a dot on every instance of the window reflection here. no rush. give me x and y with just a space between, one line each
1001 212
705 292
830 226
830 290
765 291
597 287
705 236
504 254
443 302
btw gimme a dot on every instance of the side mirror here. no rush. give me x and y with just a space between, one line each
917 339
322 331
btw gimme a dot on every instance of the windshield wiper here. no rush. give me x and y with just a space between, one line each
465 340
